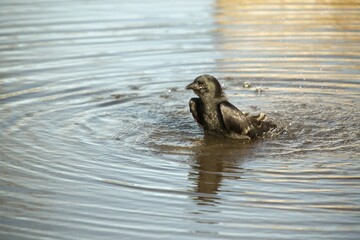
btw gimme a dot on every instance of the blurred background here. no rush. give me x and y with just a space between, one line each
97 141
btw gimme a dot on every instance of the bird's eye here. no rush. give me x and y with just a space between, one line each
202 85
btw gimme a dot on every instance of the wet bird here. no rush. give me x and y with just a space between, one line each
218 116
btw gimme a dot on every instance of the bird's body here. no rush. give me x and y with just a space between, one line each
218 116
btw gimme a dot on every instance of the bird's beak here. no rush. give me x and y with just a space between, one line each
192 86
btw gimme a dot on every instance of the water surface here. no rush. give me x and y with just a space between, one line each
97 142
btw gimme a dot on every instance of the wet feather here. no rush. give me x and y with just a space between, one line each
218 116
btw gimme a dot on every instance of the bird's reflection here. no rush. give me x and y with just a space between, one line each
214 160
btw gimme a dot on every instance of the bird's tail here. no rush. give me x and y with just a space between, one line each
261 124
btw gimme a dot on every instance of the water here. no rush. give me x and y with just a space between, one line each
97 141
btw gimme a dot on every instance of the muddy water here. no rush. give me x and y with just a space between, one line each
96 140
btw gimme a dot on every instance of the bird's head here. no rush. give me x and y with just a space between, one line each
206 86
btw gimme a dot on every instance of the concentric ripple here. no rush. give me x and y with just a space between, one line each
97 141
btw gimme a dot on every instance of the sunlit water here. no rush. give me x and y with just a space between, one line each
97 142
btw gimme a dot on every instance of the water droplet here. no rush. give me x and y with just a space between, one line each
247 85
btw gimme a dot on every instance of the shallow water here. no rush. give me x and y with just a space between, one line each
97 142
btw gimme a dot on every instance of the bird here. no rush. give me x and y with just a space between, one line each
217 116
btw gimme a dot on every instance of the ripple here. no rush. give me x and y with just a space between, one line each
97 139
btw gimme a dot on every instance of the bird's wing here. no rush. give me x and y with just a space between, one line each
196 110
234 120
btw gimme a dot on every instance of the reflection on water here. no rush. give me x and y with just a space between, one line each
307 40
97 141
214 160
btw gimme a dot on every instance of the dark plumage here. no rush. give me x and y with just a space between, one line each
216 115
